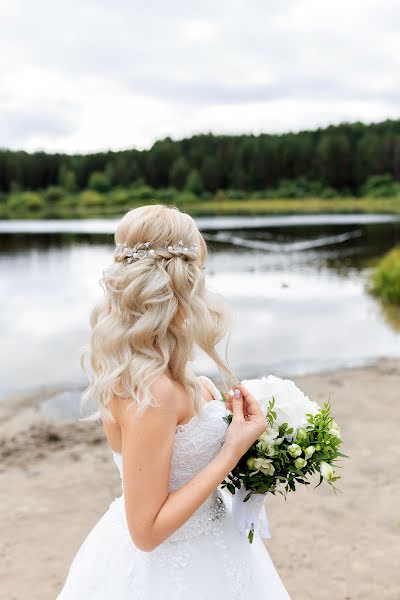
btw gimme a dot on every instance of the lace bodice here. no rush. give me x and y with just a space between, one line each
196 443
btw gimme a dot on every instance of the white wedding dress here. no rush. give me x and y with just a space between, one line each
205 559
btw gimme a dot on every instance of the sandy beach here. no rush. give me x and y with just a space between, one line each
57 479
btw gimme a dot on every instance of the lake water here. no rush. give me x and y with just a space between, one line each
296 286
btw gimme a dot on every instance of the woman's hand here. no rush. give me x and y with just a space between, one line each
247 424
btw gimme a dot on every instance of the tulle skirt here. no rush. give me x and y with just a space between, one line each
218 564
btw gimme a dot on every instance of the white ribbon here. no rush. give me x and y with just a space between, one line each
250 514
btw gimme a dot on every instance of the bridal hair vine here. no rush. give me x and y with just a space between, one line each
124 251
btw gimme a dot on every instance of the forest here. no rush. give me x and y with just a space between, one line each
350 159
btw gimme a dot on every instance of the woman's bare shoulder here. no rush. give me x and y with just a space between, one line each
162 388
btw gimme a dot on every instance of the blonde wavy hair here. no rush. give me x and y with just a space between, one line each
153 313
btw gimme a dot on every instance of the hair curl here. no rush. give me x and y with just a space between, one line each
153 312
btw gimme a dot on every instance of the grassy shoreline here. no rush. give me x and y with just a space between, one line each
385 279
209 207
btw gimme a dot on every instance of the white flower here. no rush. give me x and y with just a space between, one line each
326 470
335 430
269 434
267 440
266 447
294 450
300 463
264 465
336 433
291 405
301 434
308 452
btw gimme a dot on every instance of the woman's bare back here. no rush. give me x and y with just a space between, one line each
113 430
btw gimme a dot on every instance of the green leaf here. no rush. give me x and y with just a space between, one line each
320 481
231 488
341 454
251 535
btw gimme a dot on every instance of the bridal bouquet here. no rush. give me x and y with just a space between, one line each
302 440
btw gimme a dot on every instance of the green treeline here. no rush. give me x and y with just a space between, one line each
344 160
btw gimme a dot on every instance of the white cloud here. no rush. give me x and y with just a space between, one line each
80 76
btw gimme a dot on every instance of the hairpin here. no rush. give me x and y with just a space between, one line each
133 253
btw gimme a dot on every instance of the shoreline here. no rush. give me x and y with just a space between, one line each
104 224
58 478
197 206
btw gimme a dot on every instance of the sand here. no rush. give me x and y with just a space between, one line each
57 479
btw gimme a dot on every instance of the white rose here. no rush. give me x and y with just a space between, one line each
300 463
294 450
291 405
264 465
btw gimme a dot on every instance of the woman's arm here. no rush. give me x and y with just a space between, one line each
153 513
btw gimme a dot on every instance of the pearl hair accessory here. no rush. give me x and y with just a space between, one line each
134 253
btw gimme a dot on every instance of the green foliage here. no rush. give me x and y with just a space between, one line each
70 201
225 202
194 183
99 182
328 193
15 202
29 201
185 199
91 198
380 186
15 187
179 173
385 279
119 197
159 160
67 179
54 194
209 174
143 192
296 188
232 195
333 159
166 195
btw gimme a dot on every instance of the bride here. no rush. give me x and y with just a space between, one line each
170 535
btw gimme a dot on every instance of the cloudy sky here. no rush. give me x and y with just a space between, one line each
86 75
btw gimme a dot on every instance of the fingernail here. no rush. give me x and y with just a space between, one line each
237 394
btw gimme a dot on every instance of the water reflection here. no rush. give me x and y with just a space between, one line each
391 315
297 289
